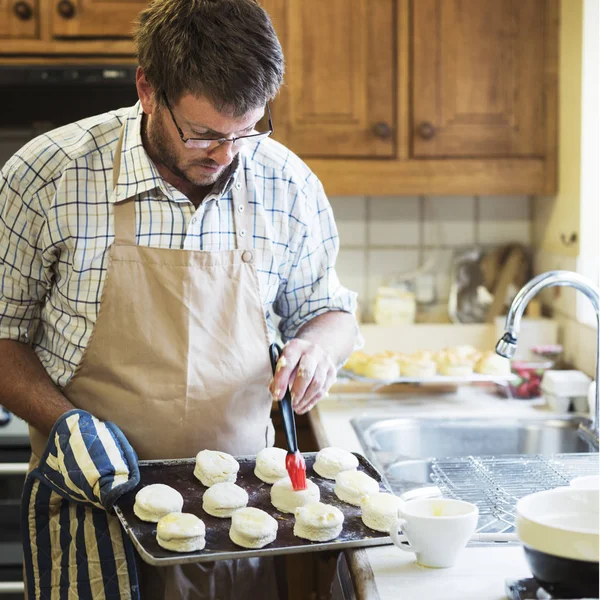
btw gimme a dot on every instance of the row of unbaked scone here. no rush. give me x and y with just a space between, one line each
253 527
457 361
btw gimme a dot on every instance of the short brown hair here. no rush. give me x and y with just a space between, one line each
224 50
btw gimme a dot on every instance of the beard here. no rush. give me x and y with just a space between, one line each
163 151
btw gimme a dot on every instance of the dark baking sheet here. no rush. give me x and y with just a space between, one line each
179 474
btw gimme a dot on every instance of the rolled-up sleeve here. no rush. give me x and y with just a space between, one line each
24 278
312 286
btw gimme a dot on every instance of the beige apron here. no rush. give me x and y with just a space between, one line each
178 359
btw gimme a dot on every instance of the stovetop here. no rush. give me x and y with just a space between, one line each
528 589
13 431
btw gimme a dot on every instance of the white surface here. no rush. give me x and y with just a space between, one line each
480 571
587 482
478 574
565 383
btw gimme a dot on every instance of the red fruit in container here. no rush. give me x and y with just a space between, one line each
530 378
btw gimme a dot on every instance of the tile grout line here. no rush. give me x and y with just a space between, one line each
476 219
367 252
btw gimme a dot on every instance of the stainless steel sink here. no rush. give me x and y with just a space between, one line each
426 438
402 448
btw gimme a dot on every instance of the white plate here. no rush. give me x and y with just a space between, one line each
435 380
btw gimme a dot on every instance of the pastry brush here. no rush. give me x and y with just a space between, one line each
294 461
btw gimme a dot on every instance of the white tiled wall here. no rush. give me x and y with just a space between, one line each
578 339
383 236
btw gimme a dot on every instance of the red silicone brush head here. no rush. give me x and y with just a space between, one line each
296 468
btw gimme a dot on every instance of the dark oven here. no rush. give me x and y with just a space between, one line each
14 459
45 97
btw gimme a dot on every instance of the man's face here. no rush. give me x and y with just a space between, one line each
197 118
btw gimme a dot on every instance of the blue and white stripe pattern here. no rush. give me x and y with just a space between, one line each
56 224
73 546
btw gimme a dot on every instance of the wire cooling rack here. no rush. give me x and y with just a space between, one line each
495 484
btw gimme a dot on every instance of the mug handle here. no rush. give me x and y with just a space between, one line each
395 535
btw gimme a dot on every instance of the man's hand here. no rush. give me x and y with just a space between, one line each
308 369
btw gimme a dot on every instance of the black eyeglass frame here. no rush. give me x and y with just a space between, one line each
219 141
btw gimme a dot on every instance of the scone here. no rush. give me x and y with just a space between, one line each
357 362
491 363
453 364
155 501
331 461
252 528
215 467
285 499
270 464
415 367
223 499
181 532
353 486
383 368
380 511
464 351
422 355
318 522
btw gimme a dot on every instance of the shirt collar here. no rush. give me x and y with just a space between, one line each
138 174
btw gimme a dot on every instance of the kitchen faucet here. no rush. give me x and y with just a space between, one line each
507 345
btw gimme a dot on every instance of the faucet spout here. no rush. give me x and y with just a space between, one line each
507 345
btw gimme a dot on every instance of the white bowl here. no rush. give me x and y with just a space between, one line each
589 482
559 532
562 522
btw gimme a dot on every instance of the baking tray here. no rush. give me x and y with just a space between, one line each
179 475
434 380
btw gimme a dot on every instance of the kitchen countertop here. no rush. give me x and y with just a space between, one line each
386 573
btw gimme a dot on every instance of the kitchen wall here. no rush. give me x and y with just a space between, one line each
384 236
578 339
560 215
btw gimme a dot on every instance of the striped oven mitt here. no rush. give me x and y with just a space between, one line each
74 547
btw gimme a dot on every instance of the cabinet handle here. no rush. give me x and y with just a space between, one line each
426 130
23 10
66 9
14 468
382 130
12 587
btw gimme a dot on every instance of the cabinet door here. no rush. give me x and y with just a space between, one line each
18 18
95 18
478 78
338 95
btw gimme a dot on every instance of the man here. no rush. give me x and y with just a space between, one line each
144 252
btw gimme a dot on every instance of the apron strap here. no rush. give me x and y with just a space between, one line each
124 212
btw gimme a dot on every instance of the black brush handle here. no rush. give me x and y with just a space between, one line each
285 405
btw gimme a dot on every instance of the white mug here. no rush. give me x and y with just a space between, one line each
436 529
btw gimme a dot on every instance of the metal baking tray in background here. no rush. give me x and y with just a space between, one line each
179 474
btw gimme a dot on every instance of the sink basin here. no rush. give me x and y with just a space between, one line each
424 456
410 438
403 448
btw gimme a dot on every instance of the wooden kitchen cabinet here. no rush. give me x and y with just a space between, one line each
47 31
399 97
18 19
476 103
478 78
95 18
338 100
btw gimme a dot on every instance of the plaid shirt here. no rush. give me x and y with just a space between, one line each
56 225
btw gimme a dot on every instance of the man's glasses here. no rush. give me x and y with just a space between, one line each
213 142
